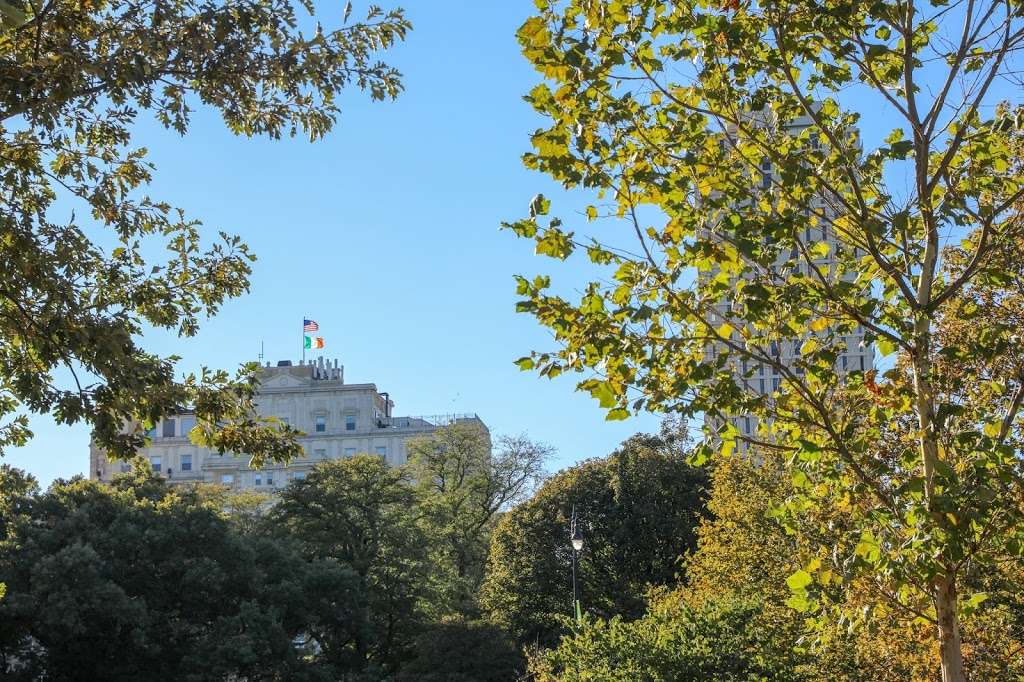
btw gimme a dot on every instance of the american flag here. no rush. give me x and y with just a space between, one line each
310 326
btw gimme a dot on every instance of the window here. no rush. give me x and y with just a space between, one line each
258 479
350 422
762 385
125 467
350 452
321 424
227 479
270 478
321 453
381 450
746 425
775 384
300 476
766 164
168 428
845 362
862 363
766 181
187 424
186 462
156 464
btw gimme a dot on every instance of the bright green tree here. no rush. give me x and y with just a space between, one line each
138 581
464 482
638 510
363 514
79 281
715 134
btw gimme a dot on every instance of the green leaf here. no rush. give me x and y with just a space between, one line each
618 414
799 581
525 363
885 346
539 205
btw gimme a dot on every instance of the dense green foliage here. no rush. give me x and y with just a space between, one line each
137 581
78 279
362 513
758 232
639 510
140 580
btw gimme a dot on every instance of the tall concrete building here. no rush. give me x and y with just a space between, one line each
338 420
765 379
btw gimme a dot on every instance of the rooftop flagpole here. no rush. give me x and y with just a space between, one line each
303 340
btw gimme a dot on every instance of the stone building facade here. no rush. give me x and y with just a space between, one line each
338 420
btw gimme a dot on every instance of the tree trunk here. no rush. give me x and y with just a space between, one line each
949 631
945 596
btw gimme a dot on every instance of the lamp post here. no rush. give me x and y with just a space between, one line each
576 539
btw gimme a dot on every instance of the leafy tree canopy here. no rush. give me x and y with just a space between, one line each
138 581
762 232
78 284
464 482
363 513
639 510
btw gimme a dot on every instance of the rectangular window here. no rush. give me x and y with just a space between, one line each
270 478
775 384
766 181
227 479
381 450
762 385
746 425
766 164
186 462
168 431
300 475
258 479
350 422
320 453
862 363
350 452
845 362
156 464
187 424
321 424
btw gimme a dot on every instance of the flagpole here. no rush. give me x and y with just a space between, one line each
303 340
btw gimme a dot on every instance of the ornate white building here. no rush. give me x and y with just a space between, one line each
337 419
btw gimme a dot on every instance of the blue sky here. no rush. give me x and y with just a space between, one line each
387 234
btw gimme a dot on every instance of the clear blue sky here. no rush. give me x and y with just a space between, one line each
387 234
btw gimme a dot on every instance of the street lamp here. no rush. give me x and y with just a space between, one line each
576 539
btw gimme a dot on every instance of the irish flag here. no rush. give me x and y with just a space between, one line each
313 342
